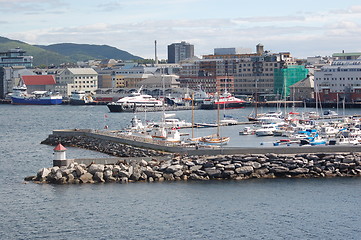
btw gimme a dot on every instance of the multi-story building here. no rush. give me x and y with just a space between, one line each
10 62
340 80
15 57
261 72
76 79
180 51
11 77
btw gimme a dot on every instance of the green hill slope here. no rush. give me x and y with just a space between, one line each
82 52
57 54
41 56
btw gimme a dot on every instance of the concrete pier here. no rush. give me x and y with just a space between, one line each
117 137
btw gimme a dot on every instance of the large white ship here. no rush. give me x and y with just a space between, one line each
135 99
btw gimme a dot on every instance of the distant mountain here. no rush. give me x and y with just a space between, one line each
84 52
41 56
66 52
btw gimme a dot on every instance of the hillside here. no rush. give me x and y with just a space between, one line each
40 55
57 54
81 52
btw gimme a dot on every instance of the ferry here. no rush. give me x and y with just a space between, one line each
21 97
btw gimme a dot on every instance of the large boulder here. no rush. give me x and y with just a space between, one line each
86 178
173 168
43 173
297 171
123 174
168 176
244 170
195 168
79 170
213 173
279 169
96 168
99 177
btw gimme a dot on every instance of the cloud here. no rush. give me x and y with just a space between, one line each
270 19
31 6
109 6
303 34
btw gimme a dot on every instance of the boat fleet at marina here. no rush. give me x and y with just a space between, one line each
296 128
300 129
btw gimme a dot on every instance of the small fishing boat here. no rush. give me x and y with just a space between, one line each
247 131
81 98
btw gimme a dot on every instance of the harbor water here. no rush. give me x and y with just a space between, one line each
249 209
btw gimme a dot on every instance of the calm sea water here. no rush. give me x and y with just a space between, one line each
252 209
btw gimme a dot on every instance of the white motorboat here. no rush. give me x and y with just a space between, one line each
165 134
266 130
135 99
247 131
172 122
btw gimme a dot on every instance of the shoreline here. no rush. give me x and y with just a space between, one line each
200 168
135 164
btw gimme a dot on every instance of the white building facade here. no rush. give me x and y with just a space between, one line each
341 79
76 79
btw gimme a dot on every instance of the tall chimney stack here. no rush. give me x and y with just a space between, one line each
155 52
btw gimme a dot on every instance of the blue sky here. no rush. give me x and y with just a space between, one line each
304 28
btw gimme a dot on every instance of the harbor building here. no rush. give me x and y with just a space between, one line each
15 57
39 82
303 90
262 72
76 79
180 51
340 80
11 77
13 63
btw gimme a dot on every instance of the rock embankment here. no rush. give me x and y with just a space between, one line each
104 146
237 167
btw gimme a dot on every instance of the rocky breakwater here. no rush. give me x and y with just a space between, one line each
237 167
104 146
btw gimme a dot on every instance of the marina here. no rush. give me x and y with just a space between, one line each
44 204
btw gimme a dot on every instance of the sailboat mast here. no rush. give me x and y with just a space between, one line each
256 98
218 116
193 115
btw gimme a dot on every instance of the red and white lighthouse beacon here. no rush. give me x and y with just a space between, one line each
60 156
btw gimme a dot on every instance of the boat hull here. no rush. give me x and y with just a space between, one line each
222 105
120 108
36 101
81 102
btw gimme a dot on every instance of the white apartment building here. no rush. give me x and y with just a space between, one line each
76 79
340 78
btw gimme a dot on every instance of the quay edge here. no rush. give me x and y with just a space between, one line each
113 137
176 167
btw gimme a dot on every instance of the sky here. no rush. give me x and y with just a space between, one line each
304 28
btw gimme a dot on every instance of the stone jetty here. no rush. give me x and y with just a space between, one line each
104 146
220 167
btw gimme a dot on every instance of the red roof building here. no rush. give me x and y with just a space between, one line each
31 80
